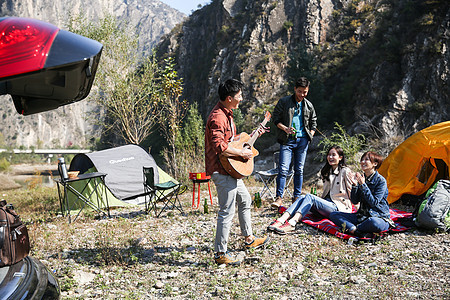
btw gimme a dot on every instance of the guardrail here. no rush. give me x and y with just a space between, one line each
47 151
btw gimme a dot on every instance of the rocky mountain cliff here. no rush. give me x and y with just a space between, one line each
68 125
377 66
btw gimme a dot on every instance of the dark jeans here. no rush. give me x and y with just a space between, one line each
294 149
349 221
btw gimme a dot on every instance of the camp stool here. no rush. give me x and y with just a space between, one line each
198 178
268 178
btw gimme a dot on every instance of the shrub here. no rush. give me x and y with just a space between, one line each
189 147
350 144
188 160
4 164
288 25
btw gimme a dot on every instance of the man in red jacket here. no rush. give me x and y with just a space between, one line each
220 131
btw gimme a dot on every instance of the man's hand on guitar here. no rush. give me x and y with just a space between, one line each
260 130
246 153
237 158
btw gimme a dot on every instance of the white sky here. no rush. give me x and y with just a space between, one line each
186 6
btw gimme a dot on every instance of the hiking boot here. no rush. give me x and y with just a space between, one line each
274 225
226 259
363 235
257 243
285 228
277 203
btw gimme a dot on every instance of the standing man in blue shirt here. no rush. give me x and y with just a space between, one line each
296 121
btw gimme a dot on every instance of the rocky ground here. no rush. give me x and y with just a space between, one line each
137 256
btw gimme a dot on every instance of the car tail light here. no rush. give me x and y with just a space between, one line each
43 67
24 45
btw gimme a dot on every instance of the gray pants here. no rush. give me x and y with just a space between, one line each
230 190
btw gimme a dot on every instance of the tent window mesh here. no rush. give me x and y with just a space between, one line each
425 171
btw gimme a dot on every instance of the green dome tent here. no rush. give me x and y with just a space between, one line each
124 180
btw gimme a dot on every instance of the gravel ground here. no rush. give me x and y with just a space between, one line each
138 256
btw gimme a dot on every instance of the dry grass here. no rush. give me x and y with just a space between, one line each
138 256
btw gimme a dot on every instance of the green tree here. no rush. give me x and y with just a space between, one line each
130 91
173 109
238 119
288 25
193 131
190 145
303 63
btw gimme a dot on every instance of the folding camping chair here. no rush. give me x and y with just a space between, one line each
268 178
166 192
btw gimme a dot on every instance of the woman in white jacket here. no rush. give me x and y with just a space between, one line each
337 186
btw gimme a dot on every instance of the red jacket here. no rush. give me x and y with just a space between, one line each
218 134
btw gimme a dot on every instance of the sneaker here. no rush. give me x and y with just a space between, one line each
257 243
285 228
274 225
226 259
277 203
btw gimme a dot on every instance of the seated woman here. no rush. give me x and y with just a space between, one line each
335 197
370 192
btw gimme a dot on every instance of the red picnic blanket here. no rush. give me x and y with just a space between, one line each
326 225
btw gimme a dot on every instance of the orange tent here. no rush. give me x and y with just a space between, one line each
418 162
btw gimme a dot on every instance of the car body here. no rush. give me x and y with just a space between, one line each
28 279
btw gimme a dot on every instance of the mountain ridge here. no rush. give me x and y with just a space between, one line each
70 125
379 67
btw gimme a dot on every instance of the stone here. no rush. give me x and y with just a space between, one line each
82 277
172 275
159 285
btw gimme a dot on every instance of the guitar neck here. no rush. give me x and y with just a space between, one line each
252 140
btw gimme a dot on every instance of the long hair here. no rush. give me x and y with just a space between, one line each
326 170
374 158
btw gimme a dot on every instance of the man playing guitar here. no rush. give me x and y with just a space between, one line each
220 131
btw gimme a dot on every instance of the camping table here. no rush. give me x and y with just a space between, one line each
64 188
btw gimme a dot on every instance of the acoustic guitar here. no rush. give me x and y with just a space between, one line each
237 166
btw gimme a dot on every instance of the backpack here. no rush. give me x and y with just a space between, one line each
14 240
434 212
